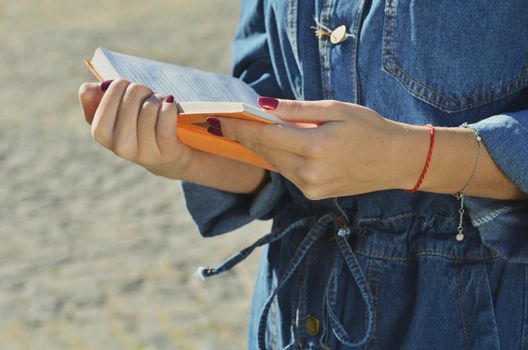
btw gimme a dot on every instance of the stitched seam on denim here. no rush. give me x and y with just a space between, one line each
273 319
327 52
522 78
323 44
355 39
292 26
490 216
292 34
460 305
393 61
489 300
434 218
373 300
310 259
354 70
426 252
388 11
300 283
323 340
465 106
376 278
315 211
389 219
524 322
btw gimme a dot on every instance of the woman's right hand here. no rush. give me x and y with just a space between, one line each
136 124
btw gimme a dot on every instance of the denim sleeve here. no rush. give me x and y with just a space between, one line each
250 50
506 137
216 211
503 225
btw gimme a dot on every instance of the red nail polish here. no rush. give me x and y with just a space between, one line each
215 132
169 99
215 123
105 84
268 103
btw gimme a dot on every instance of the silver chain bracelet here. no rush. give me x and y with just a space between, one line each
460 194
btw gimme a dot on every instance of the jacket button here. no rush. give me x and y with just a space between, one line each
312 325
338 35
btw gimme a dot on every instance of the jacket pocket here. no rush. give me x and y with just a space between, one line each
457 55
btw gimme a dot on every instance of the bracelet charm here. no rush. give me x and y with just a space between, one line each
460 194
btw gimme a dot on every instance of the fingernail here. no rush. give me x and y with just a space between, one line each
169 99
215 123
268 103
215 132
105 84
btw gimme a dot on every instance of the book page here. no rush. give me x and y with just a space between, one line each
185 84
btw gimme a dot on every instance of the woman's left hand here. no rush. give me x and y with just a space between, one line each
350 149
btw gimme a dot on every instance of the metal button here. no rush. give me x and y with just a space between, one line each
338 35
312 325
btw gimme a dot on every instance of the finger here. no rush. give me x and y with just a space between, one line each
148 117
255 135
286 163
90 95
314 112
166 127
125 139
105 116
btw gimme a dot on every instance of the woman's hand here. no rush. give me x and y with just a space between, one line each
351 150
140 126
136 124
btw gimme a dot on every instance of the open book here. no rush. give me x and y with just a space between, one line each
199 95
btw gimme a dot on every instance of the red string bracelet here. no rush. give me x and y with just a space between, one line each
427 162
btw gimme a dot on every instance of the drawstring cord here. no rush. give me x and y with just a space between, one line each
316 231
346 257
349 258
229 263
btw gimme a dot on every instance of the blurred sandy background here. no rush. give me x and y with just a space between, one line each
96 253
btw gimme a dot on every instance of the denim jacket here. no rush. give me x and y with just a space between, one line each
445 62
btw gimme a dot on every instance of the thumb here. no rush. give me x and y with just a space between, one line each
311 112
90 95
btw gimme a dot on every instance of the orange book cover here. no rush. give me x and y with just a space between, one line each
191 126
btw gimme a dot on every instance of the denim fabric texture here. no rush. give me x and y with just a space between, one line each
383 270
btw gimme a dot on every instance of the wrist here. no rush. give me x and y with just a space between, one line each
223 173
451 159
453 162
409 152
174 170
